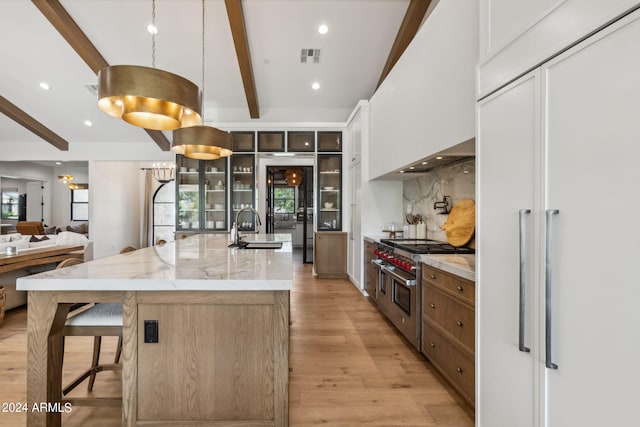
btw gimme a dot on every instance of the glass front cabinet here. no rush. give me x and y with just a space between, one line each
201 195
329 206
243 191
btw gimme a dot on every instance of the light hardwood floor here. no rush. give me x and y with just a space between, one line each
350 367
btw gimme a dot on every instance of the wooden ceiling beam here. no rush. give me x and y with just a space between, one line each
408 29
77 39
19 116
239 33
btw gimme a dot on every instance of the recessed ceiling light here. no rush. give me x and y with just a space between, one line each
45 86
323 29
88 123
401 171
411 167
439 158
465 171
424 163
315 86
306 143
58 163
152 29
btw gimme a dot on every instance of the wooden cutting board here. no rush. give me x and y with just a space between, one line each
461 224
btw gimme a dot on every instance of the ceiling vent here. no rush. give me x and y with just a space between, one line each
92 88
310 56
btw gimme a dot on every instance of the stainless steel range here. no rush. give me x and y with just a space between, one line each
398 292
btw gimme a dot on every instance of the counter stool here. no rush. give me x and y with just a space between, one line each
96 320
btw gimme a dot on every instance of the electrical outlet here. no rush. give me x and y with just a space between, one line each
151 331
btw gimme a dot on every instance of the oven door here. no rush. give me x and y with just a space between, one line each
403 310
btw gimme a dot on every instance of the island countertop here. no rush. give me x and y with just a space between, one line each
199 262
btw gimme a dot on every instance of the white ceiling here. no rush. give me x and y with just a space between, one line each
354 51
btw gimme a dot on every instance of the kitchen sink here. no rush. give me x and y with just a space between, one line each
259 245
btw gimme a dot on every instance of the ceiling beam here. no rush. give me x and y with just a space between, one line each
408 29
239 33
77 39
16 114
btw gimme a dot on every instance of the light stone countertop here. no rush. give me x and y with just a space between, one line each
461 265
199 262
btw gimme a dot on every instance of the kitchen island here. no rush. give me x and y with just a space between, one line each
221 357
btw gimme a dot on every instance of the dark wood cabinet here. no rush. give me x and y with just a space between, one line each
448 328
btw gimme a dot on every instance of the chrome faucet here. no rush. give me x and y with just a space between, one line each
236 238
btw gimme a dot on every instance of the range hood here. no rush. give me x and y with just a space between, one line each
455 154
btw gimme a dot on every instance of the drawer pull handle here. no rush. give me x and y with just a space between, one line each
460 288
432 345
433 276
432 305
459 370
459 323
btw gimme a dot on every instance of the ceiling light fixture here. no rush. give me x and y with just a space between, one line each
148 97
439 158
88 123
202 142
293 177
424 163
58 163
164 172
315 86
152 29
65 179
45 86
323 29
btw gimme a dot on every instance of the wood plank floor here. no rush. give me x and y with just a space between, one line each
350 367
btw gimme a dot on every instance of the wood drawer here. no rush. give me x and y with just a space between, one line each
453 363
457 286
454 316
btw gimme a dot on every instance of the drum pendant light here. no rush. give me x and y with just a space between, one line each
202 142
148 97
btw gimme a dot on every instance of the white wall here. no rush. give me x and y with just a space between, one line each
61 195
114 206
427 103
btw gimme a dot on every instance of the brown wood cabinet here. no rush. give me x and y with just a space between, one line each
448 328
330 254
371 272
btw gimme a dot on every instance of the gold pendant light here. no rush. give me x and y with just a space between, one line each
202 142
148 97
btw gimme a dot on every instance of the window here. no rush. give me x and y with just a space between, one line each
80 205
284 200
10 204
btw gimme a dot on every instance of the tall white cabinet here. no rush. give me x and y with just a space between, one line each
557 165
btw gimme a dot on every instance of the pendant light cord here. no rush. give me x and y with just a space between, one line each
203 109
153 34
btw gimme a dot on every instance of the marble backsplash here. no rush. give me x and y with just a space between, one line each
419 194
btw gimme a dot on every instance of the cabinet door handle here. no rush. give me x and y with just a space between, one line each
523 256
459 323
432 305
459 370
460 289
433 276
432 345
547 284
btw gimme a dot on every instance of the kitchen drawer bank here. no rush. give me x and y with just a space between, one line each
448 328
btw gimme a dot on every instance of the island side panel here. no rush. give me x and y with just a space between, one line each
281 365
220 356
129 359
41 314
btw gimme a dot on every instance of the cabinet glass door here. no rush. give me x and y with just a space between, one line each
243 192
188 194
215 194
329 206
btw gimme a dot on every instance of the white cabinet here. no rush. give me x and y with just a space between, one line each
517 35
564 137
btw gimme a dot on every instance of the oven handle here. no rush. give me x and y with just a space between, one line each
407 282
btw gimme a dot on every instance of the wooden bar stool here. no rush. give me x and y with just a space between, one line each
96 320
